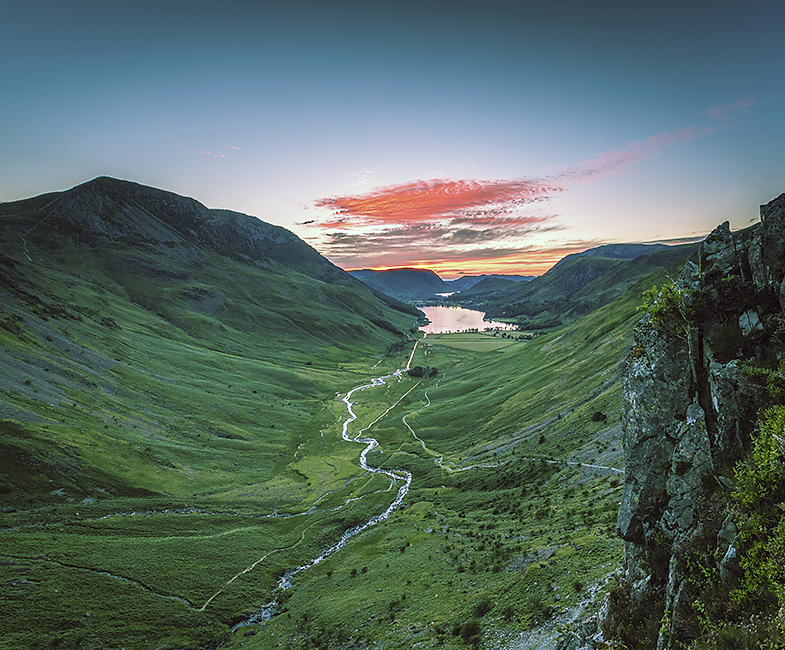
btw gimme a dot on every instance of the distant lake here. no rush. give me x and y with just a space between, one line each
457 319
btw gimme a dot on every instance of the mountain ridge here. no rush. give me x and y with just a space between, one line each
573 287
108 215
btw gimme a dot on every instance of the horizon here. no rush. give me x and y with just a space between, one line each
457 277
449 274
464 139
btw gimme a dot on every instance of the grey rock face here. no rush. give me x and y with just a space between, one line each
655 386
688 410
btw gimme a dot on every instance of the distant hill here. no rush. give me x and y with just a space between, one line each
489 286
574 286
616 251
361 273
422 284
405 284
468 281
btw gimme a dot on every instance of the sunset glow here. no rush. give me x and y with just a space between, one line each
471 227
464 138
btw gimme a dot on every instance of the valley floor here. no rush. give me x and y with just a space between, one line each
507 525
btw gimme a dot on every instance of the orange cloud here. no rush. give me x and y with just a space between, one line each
512 261
435 199
468 226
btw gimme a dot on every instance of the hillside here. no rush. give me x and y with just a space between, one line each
468 281
173 417
575 286
102 279
405 284
489 287
164 358
617 251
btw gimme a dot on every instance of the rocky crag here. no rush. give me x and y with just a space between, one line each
690 411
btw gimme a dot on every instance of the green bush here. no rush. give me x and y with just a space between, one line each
482 608
760 497
471 631
662 303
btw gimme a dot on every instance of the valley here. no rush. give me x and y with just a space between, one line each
469 526
208 448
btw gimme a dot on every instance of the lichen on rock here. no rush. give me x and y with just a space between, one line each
689 413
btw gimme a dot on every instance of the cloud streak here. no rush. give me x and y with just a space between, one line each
436 199
634 152
727 111
488 223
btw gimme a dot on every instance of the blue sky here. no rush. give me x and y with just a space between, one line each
462 137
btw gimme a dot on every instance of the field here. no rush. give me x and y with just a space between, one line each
506 527
184 463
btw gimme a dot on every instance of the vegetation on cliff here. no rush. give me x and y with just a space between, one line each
704 410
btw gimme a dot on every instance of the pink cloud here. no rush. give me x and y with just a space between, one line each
632 153
435 199
220 154
469 224
726 111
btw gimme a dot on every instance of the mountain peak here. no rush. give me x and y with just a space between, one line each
108 214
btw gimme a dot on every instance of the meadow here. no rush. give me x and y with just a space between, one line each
184 461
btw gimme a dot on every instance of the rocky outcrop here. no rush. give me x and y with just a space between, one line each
689 412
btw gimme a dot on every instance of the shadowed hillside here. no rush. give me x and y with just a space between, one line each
575 286
405 284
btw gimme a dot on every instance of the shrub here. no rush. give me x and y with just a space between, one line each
760 488
633 619
471 631
482 608
663 303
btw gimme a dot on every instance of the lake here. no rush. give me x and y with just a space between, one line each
457 319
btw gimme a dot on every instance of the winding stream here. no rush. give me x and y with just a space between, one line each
396 476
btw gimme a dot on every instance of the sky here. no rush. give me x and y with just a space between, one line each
462 137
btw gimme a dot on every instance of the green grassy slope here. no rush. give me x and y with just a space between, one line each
574 287
171 445
511 513
168 392
160 457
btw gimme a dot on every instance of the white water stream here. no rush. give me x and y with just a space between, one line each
396 476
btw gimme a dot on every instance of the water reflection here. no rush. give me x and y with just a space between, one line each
457 319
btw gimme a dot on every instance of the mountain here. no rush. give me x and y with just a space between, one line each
96 278
164 358
422 284
468 281
616 251
405 284
106 214
576 285
131 228
488 287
